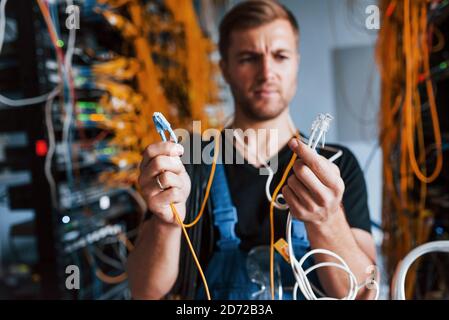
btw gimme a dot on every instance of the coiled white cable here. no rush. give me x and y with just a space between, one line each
320 126
303 283
399 283
318 133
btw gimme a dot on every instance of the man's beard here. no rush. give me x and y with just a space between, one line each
260 113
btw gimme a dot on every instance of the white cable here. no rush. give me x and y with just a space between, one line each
270 175
70 47
337 155
320 125
51 148
399 284
277 203
319 128
324 124
69 107
302 282
2 23
66 69
28 101
17 102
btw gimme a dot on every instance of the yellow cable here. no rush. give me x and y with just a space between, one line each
200 213
51 29
198 217
273 199
209 184
178 219
110 279
100 273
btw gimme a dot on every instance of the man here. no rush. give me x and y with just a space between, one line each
260 58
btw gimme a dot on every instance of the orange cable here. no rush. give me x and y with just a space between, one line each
209 184
273 199
178 219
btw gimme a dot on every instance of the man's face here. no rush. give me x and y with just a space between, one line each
261 69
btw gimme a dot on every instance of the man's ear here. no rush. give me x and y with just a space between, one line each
224 69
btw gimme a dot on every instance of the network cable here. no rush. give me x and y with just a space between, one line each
319 129
162 125
18 102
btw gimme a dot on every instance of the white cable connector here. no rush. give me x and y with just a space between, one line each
319 129
321 124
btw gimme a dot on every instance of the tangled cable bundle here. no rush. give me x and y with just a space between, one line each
411 160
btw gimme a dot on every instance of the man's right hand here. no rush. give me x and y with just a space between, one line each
161 161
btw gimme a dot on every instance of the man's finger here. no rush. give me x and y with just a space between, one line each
294 203
164 163
309 179
298 208
161 149
317 163
304 194
164 198
167 179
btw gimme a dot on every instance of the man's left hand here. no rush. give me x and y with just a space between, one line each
315 191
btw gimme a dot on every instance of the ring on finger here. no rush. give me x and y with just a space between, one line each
158 181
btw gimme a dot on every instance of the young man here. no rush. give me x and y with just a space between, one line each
260 58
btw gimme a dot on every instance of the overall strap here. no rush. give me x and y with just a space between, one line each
225 214
299 234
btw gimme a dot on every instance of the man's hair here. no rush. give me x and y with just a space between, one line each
251 14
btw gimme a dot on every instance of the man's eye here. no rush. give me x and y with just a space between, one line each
281 58
247 59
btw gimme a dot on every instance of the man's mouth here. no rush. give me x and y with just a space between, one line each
266 92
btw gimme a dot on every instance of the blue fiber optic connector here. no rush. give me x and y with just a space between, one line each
163 125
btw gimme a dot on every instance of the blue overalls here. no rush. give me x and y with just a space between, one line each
226 272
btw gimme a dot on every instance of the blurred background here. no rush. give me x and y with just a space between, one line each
80 79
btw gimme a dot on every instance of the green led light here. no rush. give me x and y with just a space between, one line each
83 117
109 150
87 105
443 65
79 81
60 43
99 110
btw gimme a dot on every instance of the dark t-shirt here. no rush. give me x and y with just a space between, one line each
247 187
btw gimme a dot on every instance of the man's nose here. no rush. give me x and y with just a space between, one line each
266 67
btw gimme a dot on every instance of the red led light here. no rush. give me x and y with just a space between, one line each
41 148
